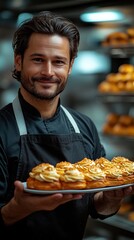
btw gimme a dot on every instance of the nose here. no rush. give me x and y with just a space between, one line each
47 69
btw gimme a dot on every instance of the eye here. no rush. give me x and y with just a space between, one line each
37 59
60 62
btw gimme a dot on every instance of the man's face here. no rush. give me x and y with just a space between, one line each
45 66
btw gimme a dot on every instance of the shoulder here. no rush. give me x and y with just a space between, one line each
6 113
7 121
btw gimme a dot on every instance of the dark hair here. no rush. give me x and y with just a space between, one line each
47 23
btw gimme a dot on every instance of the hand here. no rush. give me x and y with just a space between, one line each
23 204
118 194
109 202
33 202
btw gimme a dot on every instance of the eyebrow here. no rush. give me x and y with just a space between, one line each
36 54
42 55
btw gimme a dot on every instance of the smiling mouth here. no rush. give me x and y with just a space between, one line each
45 81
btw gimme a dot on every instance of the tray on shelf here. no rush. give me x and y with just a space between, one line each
117 97
118 145
117 138
120 51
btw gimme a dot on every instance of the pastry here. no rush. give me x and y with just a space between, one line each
127 168
126 68
125 208
130 131
107 128
121 125
125 120
121 86
44 177
106 86
119 130
95 177
130 32
113 174
119 160
112 78
103 163
112 118
62 166
123 80
130 86
131 216
116 39
84 163
72 178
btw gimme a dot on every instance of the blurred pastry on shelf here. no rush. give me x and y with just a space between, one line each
125 208
122 81
112 118
107 129
107 87
131 76
130 86
125 120
116 39
119 125
121 86
130 32
131 216
119 38
120 130
126 68
112 77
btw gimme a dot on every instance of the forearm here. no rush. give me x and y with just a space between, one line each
12 212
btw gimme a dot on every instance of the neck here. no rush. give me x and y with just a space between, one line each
46 108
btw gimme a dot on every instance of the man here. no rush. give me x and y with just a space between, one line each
35 128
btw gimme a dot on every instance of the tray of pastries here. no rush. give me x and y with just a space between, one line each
83 176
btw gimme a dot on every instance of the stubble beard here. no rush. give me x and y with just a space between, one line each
42 96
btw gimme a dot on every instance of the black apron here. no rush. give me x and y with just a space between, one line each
66 222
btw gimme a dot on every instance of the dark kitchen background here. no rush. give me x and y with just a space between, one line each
94 63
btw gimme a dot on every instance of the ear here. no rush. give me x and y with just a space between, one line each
71 65
17 62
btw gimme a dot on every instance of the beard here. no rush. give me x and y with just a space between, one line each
30 86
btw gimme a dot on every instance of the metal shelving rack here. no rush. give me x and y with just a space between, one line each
117 227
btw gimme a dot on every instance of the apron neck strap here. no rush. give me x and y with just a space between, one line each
71 119
19 116
21 121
